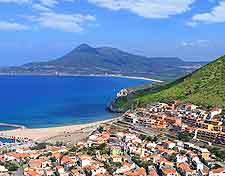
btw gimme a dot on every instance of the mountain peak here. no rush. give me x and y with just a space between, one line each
84 47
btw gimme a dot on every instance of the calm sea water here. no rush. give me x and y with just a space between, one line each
45 101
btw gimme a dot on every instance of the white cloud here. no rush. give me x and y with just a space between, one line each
15 1
52 3
147 8
40 7
192 23
198 43
49 3
64 22
217 15
4 25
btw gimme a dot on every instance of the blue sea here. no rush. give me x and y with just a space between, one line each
48 101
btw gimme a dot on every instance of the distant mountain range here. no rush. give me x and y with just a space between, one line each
204 87
86 60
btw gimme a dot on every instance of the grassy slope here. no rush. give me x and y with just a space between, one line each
205 87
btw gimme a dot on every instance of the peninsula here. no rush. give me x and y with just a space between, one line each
87 60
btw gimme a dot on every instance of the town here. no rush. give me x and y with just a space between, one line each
161 139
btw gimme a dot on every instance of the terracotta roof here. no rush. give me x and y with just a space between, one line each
66 159
85 157
100 174
138 172
152 173
167 171
219 170
36 162
18 155
32 172
56 155
185 167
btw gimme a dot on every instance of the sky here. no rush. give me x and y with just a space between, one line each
41 30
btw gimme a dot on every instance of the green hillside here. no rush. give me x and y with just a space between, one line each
204 87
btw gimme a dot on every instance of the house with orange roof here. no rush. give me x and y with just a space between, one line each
125 168
15 156
164 162
85 160
138 172
68 161
165 152
31 172
145 157
152 172
35 154
77 172
36 163
2 158
169 172
217 172
57 155
97 169
173 120
185 169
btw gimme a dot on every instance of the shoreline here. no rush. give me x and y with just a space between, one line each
42 134
37 134
88 75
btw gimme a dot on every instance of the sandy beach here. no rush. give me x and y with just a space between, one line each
59 133
90 75
123 76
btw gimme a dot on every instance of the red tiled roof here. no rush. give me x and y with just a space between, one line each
167 171
219 170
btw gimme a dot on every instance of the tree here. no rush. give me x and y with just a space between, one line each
11 166
155 139
53 159
184 136
39 146
220 153
117 164
173 157
142 137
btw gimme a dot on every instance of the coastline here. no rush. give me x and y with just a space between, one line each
88 75
123 76
44 134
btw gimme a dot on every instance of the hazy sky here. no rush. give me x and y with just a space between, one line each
37 30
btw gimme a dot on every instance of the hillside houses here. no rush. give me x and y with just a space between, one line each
127 147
